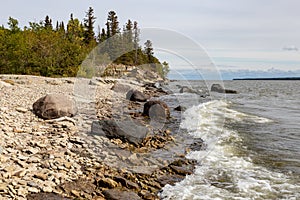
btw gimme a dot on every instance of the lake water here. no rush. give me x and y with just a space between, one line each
253 141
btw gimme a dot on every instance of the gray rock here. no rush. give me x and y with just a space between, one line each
121 88
54 106
186 89
128 131
156 110
135 95
118 194
220 89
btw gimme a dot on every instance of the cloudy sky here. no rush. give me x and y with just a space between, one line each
237 34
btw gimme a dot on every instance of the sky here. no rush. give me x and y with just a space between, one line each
236 34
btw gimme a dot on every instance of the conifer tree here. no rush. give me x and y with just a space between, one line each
89 21
112 23
136 40
148 50
48 23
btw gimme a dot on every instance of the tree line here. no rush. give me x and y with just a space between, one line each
58 50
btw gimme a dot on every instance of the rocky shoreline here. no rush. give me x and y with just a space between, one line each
73 158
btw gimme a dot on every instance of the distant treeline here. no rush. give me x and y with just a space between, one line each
56 50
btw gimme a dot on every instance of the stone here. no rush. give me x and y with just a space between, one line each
33 190
127 183
135 95
54 106
181 170
185 89
41 176
180 108
107 183
75 193
121 88
22 110
3 187
156 110
22 192
128 131
47 189
4 84
118 194
220 89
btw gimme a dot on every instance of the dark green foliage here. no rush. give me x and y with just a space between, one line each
48 23
113 24
89 35
41 50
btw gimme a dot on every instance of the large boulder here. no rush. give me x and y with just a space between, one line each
54 106
121 88
220 89
135 95
127 131
156 110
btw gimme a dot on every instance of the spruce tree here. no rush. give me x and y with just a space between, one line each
112 23
136 40
148 50
89 21
48 23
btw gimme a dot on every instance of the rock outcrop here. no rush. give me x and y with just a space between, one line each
54 106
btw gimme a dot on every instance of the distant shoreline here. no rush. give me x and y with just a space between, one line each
269 79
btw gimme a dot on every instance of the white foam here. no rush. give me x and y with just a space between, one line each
223 174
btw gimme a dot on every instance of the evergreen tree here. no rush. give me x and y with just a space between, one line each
103 35
128 31
48 23
148 50
89 21
112 23
136 40
75 30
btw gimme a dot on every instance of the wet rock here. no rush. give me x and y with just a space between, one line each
180 108
54 106
170 179
118 194
135 95
181 170
156 110
220 89
185 89
128 131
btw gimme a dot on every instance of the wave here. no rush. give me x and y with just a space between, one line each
223 173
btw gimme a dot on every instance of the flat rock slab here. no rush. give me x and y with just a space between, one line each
118 194
128 131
